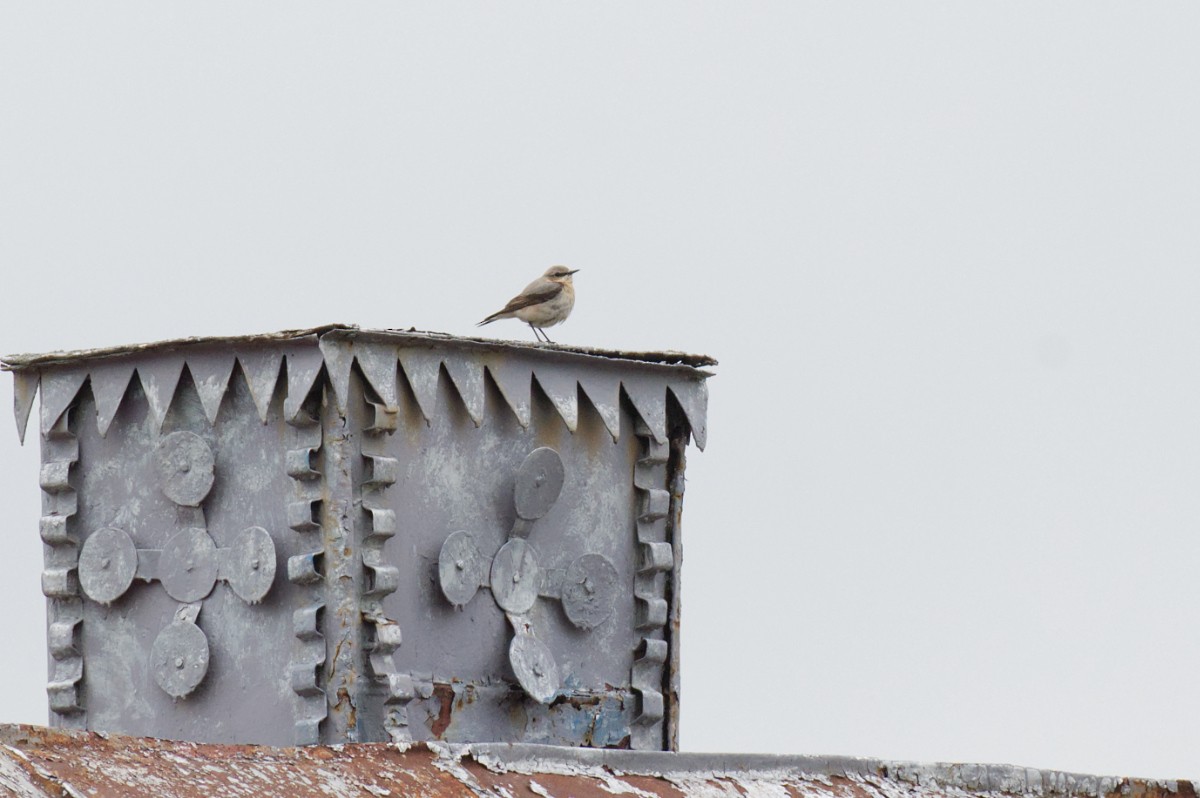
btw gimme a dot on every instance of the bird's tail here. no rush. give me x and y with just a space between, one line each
490 319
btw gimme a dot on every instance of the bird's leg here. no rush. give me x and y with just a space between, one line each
547 337
535 333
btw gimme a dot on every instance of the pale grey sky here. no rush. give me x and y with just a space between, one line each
947 253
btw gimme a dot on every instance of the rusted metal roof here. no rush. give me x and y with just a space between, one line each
37 762
21 362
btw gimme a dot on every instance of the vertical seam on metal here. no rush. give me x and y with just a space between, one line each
343 569
676 468
60 581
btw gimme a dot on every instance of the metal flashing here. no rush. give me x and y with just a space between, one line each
380 355
411 336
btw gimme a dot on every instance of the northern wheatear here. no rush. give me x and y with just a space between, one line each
544 302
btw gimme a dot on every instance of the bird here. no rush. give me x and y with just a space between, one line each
544 302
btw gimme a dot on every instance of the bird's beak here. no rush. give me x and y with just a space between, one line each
572 271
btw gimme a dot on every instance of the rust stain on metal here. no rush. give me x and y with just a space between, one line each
36 762
444 693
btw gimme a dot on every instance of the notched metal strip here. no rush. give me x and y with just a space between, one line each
261 369
109 382
25 386
339 357
159 377
421 368
378 364
515 381
563 391
604 392
693 398
467 375
210 373
59 389
649 398
304 364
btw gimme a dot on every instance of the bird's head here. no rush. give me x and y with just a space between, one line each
560 274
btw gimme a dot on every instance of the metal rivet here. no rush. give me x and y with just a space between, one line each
460 565
254 564
104 563
179 662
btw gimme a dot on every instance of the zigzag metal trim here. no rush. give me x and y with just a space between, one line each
656 557
308 653
561 379
379 524
25 388
60 583
602 383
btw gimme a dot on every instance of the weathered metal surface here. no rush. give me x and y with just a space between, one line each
188 565
539 483
40 763
19 362
244 693
534 665
382 635
650 477
107 564
250 565
25 388
461 568
308 652
60 506
179 656
589 591
209 467
515 576
185 467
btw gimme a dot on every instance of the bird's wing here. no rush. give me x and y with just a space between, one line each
536 293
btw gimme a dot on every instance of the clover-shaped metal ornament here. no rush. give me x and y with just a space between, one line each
587 588
188 565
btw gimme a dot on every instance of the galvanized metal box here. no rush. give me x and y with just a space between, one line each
339 535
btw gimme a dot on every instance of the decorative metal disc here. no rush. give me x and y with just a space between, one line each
589 591
539 481
107 564
535 667
185 468
515 576
179 658
188 565
460 568
251 564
